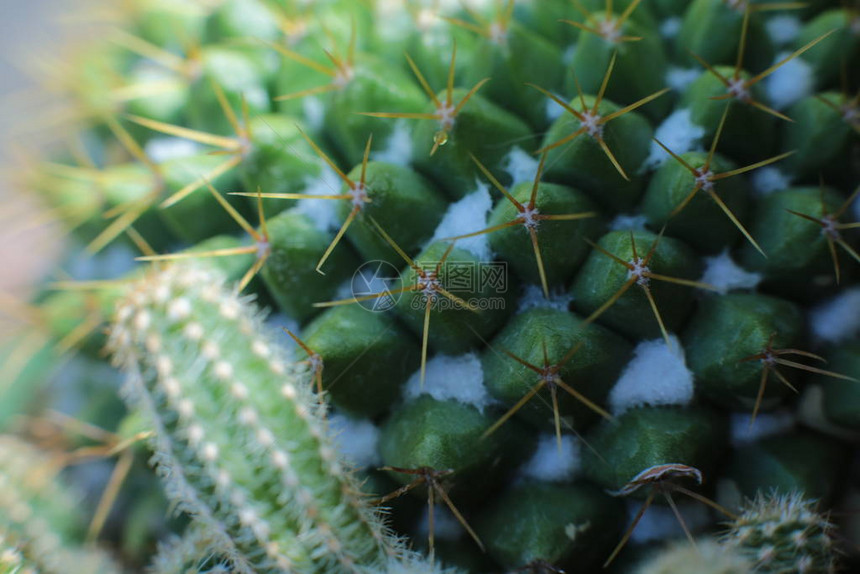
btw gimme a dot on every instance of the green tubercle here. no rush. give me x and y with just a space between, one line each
651 437
366 357
405 204
296 246
563 525
702 223
482 297
600 148
624 260
557 343
730 343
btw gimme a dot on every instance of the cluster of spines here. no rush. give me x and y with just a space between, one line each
782 533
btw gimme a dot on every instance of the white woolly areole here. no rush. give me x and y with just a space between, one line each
467 216
790 83
783 28
533 298
520 165
670 27
623 222
356 440
162 149
723 273
679 78
657 375
323 212
765 425
679 134
398 147
549 465
769 179
660 523
838 318
460 378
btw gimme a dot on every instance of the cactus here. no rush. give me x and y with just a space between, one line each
783 533
38 517
530 262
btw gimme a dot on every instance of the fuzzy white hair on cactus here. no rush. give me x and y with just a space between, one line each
790 83
838 318
520 165
398 147
533 298
725 275
467 216
769 179
679 134
551 464
460 378
355 439
657 375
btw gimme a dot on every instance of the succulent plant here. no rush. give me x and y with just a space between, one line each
783 533
38 523
414 286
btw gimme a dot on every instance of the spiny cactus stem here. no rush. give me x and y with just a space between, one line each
180 333
37 516
783 532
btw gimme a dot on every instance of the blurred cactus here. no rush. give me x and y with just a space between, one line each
39 517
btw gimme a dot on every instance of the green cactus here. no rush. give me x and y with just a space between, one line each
188 346
38 517
531 261
783 533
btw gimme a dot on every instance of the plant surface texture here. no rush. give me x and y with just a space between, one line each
429 286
